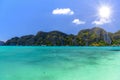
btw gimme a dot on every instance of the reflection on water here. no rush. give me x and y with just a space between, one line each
59 63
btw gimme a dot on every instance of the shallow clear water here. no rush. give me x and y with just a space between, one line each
59 63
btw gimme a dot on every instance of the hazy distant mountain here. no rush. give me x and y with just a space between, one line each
1 43
87 37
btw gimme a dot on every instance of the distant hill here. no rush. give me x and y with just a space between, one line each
87 37
1 43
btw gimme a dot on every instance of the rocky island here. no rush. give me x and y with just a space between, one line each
87 37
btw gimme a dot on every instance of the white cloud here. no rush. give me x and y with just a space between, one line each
63 11
101 21
78 22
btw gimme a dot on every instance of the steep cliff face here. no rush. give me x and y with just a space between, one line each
102 34
107 38
94 35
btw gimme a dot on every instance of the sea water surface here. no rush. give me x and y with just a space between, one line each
59 63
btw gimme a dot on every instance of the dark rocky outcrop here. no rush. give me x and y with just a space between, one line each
12 41
26 40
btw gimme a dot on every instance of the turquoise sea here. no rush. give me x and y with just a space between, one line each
59 63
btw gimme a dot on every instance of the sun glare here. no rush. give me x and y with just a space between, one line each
105 12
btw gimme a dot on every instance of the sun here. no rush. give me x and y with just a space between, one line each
105 12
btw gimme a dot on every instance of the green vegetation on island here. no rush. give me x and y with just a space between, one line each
87 37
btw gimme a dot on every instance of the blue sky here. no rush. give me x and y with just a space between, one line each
22 17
